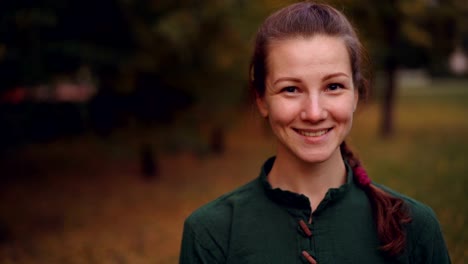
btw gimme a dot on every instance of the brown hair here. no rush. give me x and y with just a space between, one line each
306 19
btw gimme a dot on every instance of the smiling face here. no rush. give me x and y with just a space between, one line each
309 96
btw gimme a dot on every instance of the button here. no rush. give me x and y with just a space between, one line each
308 257
305 228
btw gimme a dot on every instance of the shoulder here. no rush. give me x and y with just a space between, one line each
425 239
207 230
214 218
421 213
220 209
423 218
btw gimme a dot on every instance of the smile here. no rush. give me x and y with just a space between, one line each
312 133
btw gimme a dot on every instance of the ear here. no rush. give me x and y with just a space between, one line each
262 105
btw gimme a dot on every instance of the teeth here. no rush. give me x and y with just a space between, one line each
313 134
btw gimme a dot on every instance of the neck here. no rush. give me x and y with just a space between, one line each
310 179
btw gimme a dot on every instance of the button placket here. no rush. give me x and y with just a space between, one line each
306 232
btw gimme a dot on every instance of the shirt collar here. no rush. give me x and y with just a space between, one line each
293 200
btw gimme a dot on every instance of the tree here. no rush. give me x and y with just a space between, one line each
202 48
401 33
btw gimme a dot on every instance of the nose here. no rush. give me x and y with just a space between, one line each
313 109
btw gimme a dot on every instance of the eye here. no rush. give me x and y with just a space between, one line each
334 86
290 89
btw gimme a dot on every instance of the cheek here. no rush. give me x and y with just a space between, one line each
344 114
283 112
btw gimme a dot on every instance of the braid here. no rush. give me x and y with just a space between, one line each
390 213
360 173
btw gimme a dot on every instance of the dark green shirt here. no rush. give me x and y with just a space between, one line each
258 224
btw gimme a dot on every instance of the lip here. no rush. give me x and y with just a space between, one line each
313 135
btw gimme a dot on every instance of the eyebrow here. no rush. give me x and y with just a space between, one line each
327 77
287 79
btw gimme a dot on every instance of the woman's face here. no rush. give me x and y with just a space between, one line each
309 97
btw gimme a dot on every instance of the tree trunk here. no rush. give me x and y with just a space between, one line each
387 125
218 140
148 162
392 29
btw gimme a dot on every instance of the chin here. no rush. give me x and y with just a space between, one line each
314 157
317 154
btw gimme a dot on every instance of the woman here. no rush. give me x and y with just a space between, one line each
313 202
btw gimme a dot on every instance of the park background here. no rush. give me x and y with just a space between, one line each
118 118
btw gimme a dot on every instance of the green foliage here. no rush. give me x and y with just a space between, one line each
419 26
203 47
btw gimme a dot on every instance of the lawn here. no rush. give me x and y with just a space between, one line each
84 200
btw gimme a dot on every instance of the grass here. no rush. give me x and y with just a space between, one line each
427 158
85 201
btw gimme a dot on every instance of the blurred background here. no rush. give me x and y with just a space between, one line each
118 118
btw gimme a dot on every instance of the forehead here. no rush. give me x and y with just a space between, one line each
320 52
